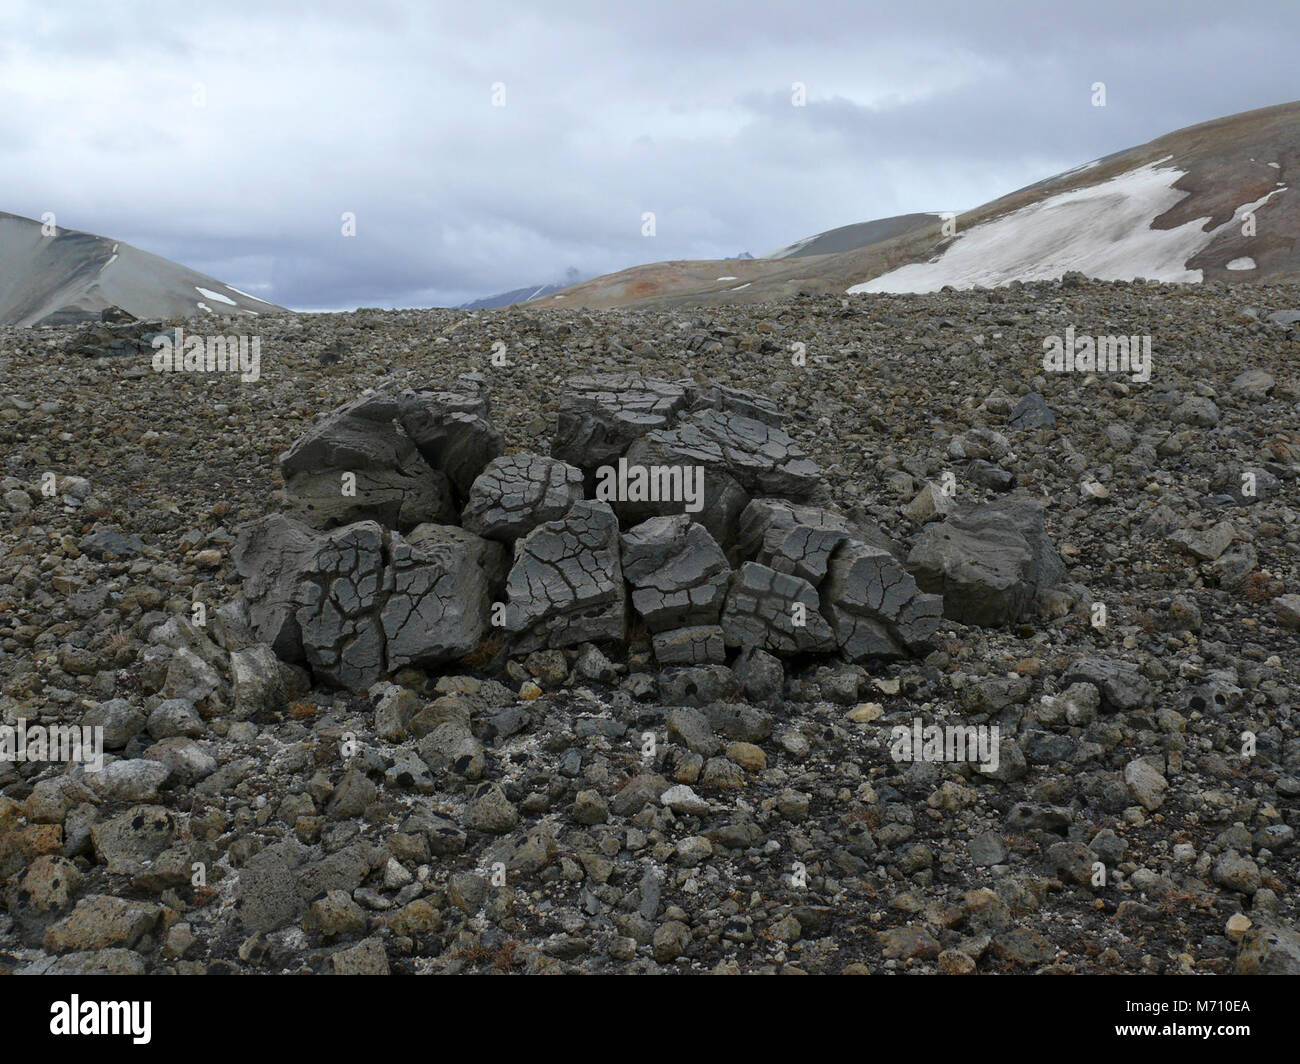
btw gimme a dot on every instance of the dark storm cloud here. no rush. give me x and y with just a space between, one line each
233 137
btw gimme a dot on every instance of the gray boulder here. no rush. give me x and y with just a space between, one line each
989 562
438 599
515 494
874 605
339 591
774 611
452 431
697 645
793 538
602 414
740 458
761 458
356 601
271 554
566 586
394 485
678 573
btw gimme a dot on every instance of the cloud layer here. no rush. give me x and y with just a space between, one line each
234 137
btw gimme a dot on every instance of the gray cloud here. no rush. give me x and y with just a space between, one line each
233 137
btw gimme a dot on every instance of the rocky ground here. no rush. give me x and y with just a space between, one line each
764 826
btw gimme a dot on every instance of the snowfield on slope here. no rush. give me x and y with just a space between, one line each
1103 230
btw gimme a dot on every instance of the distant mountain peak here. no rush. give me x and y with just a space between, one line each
68 276
1213 202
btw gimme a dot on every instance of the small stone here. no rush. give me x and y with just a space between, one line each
865 712
367 957
954 962
681 799
1145 783
1238 925
748 756
491 811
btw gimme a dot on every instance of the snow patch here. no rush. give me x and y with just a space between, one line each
247 295
1103 230
740 286
1241 264
216 295
726 278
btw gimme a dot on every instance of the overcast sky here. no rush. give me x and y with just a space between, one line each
232 137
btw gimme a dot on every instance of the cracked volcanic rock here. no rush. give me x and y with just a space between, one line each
792 538
760 611
874 605
339 590
357 601
439 587
452 431
515 494
566 586
989 562
605 412
678 573
761 458
394 485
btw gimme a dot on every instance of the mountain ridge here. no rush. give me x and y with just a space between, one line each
71 276
1217 168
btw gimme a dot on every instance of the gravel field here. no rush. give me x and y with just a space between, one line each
590 810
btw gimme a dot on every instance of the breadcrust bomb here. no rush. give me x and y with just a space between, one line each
708 524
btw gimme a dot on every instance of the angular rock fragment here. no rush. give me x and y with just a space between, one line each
1206 545
515 494
452 431
1122 686
255 676
930 504
761 676
393 484
1032 412
874 605
774 611
989 562
678 573
604 413
339 591
566 586
438 602
697 645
